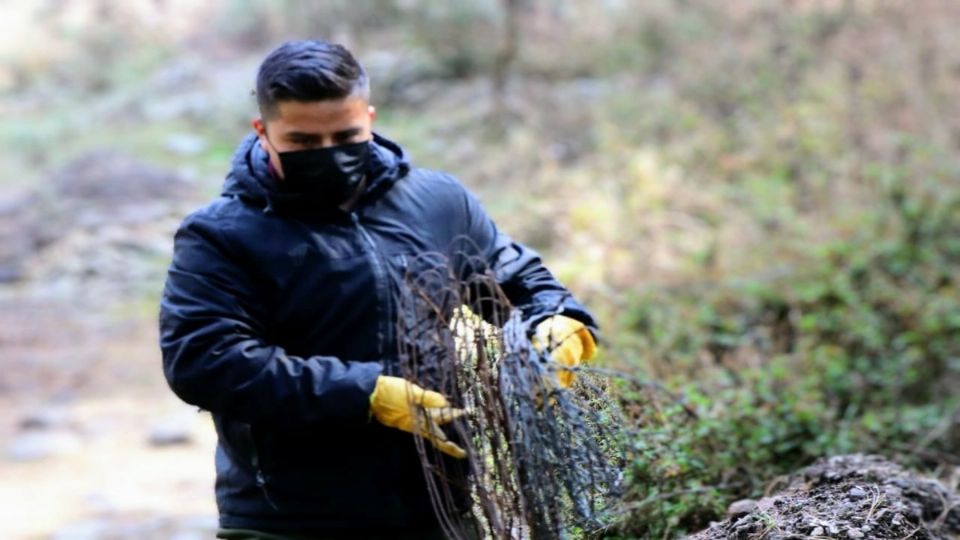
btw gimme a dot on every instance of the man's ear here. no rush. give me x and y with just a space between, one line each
261 130
373 112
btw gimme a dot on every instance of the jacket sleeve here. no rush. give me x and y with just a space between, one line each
215 354
519 272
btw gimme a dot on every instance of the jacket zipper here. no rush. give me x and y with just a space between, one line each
380 281
260 478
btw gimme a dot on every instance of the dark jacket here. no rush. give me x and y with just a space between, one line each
278 316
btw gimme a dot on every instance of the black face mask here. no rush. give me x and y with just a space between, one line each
330 174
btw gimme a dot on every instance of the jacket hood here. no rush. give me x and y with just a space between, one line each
251 180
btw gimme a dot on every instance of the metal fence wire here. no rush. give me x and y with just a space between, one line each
542 462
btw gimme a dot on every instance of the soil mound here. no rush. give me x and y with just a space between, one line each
848 497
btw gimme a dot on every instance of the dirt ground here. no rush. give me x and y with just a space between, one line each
94 446
848 497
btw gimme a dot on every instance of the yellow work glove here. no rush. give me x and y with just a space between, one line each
568 341
398 403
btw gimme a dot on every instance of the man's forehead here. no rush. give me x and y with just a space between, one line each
322 111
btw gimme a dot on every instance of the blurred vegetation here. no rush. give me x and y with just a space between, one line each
856 352
759 199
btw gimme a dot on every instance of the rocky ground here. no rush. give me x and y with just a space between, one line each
92 443
848 497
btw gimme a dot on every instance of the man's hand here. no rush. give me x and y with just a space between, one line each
568 341
400 404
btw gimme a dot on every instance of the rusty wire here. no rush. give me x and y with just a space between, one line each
543 462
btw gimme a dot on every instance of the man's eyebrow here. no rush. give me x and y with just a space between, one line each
349 132
300 135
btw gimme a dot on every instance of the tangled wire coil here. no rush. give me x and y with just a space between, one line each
543 462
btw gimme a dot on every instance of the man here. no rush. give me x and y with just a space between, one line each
278 318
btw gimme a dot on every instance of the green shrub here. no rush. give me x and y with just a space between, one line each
858 353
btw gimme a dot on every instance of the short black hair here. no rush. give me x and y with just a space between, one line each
309 70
